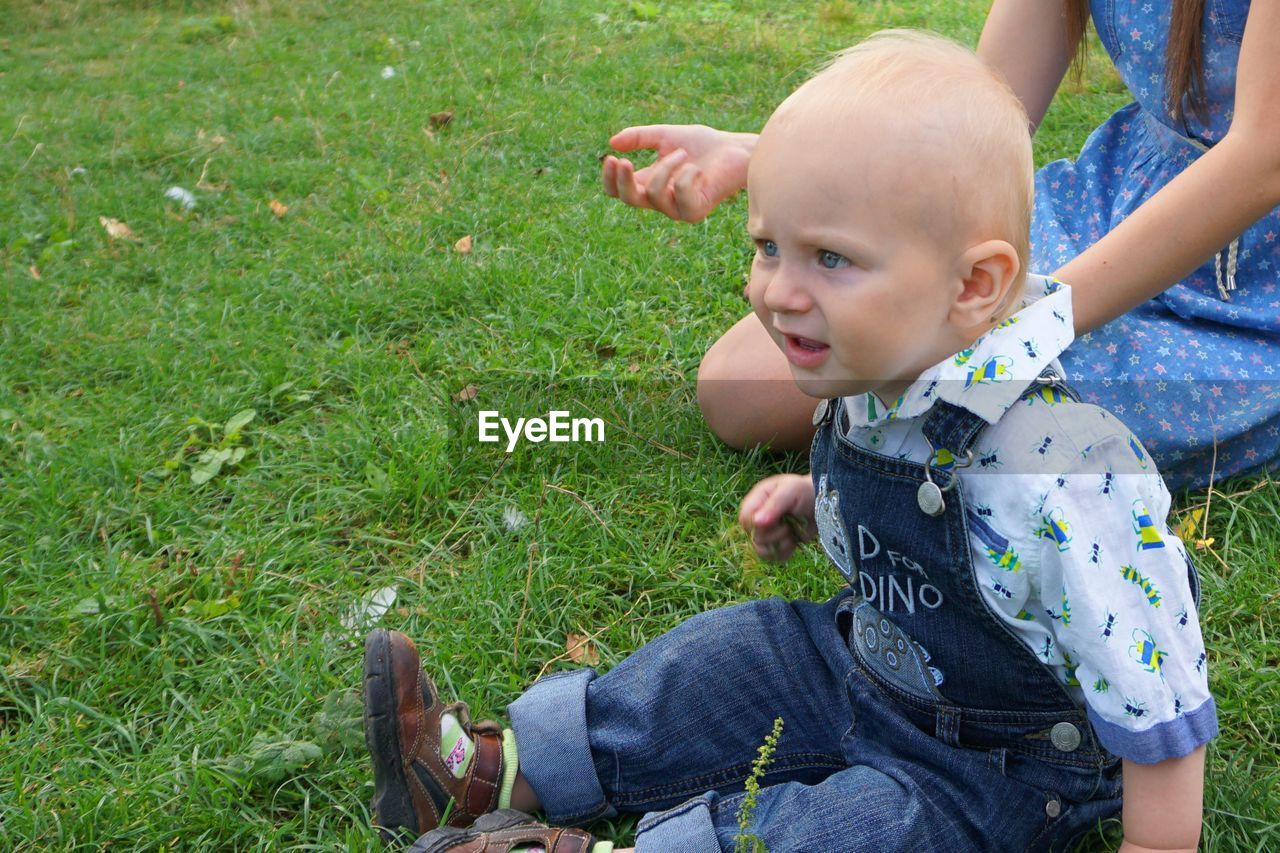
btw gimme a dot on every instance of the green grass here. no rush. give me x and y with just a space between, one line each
151 628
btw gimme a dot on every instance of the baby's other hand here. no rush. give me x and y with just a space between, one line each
778 515
697 168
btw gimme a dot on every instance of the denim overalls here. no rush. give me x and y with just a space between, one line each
912 719
925 641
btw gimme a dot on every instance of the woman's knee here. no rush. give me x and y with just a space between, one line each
746 393
721 398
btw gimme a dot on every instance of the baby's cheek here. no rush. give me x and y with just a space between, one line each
754 291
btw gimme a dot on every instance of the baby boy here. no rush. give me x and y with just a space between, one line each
1018 631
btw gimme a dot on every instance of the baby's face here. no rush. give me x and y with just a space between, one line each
854 273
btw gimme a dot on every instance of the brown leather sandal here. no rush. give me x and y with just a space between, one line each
501 831
415 789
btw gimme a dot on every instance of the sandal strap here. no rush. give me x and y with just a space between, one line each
499 832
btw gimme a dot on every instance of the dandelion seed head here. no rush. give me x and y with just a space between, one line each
182 196
513 519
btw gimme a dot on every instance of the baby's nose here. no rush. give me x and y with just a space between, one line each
785 292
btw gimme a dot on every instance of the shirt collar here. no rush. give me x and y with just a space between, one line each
990 376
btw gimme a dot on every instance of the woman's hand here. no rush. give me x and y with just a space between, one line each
778 515
697 168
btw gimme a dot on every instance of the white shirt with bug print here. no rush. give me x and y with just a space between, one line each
1068 533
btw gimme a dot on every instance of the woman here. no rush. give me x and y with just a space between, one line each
1166 226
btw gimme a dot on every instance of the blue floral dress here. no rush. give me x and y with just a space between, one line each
1193 371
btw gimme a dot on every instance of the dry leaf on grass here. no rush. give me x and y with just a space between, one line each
202 183
581 650
463 246
116 229
35 272
439 120
466 395
1187 529
278 208
215 139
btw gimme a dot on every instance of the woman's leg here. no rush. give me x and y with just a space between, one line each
747 395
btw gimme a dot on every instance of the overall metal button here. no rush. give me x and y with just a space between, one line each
929 499
1053 808
820 413
1065 737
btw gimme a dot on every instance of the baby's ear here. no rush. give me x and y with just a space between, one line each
988 272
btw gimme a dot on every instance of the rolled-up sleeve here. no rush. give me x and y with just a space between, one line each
1118 587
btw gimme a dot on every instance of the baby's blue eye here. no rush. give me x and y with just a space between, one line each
768 248
832 260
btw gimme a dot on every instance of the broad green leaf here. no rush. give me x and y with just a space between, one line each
376 477
216 607
645 11
272 759
339 725
95 604
239 421
203 472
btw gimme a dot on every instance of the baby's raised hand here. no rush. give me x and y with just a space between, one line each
778 515
697 168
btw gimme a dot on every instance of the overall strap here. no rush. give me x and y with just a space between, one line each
948 425
955 428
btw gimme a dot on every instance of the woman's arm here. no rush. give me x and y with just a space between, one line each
1212 202
698 167
1026 41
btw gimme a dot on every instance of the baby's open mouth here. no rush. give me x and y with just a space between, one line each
806 343
805 352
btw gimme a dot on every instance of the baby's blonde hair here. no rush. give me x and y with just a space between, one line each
925 75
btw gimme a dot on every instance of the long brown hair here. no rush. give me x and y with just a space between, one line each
1183 56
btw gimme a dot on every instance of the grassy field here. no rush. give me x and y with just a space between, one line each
179 641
